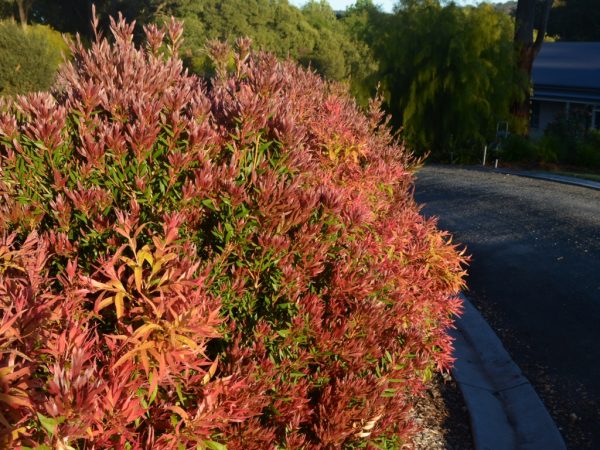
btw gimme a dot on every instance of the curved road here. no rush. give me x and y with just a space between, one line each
535 276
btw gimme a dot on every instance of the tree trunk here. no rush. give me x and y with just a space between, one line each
22 8
527 48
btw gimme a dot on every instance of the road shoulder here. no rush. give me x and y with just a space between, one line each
547 176
506 412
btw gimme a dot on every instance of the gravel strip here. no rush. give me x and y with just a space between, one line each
444 418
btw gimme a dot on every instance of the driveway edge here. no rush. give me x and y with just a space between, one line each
506 412
546 176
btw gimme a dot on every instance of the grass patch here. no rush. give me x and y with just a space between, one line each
584 176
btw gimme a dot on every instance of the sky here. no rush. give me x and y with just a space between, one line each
386 5
343 4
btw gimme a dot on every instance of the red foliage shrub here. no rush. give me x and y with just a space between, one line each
187 263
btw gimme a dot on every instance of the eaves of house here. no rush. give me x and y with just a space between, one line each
567 72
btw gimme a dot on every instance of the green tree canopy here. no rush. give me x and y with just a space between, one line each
575 20
273 25
337 54
447 72
313 35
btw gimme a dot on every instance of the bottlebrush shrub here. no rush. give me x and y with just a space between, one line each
192 264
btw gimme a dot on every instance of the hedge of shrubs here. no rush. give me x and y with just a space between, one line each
30 57
236 262
563 142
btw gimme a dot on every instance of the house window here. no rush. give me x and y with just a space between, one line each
535 114
596 119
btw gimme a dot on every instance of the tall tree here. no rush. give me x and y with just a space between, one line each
446 71
75 16
23 8
313 35
575 20
531 16
273 25
337 54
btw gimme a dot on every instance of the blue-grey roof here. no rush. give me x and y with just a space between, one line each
568 64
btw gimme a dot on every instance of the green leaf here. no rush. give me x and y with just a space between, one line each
389 392
153 394
50 423
209 204
179 393
212 445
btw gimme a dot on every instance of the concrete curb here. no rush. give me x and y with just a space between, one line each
548 177
506 412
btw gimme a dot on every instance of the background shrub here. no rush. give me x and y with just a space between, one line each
518 148
549 148
564 141
521 149
30 57
588 152
564 135
187 263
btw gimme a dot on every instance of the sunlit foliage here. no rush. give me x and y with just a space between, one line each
187 264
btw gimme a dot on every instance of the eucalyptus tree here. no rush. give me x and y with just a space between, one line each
531 21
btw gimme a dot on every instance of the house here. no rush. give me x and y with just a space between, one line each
566 84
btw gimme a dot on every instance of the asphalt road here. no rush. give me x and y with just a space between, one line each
535 276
